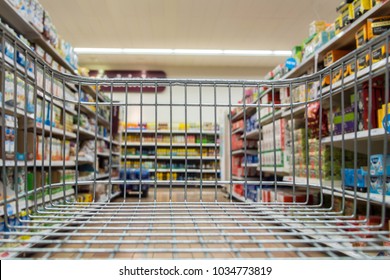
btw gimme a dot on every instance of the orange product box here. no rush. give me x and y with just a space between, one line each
334 55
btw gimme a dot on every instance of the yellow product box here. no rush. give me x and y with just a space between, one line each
380 117
360 7
334 55
349 68
317 26
361 36
347 14
326 81
378 53
381 114
338 24
377 26
363 60
337 75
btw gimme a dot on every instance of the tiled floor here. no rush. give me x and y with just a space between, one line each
193 230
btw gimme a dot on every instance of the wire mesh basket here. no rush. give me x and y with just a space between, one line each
206 169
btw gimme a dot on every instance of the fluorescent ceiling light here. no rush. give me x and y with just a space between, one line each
197 52
182 52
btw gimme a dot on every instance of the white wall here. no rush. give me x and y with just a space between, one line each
204 94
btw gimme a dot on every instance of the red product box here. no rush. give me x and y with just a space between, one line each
237 125
239 189
266 195
287 196
377 100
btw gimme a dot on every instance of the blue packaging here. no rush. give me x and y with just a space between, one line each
378 164
134 174
349 179
377 186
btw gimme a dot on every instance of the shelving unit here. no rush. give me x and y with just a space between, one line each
9 15
345 39
179 160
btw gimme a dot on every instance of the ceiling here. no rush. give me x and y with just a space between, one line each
186 24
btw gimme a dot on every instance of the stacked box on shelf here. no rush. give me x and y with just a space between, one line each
287 195
328 160
267 102
274 151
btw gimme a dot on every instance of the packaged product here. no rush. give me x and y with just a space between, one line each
378 164
347 14
361 36
317 26
360 7
334 55
377 26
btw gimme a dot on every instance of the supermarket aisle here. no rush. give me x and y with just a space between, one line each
179 231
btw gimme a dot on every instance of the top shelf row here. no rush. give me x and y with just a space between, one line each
11 16
343 40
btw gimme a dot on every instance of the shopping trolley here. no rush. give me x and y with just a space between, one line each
252 169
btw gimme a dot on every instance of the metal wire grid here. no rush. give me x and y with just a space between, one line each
190 218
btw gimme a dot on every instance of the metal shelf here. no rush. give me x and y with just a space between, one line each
22 202
243 152
279 170
340 41
270 118
252 135
169 157
238 130
338 189
56 132
189 145
10 15
30 163
376 134
212 171
181 132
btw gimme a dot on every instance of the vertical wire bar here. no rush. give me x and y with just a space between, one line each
292 139
77 144
370 84
274 141
14 113
332 139
320 174
50 123
245 143
125 151
95 158
307 154
141 141
215 144
28 87
355 144
201 142
63 138
185 142
43 174
260 163
34 155
386 134
170 142
110 144
155 141
230 143
4 169
343 129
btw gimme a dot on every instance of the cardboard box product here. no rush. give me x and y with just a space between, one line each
378 164
338 24
334 55
363 60
379 52
317 26
361 36
377 26
383 117
360 7
379 186
347 14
